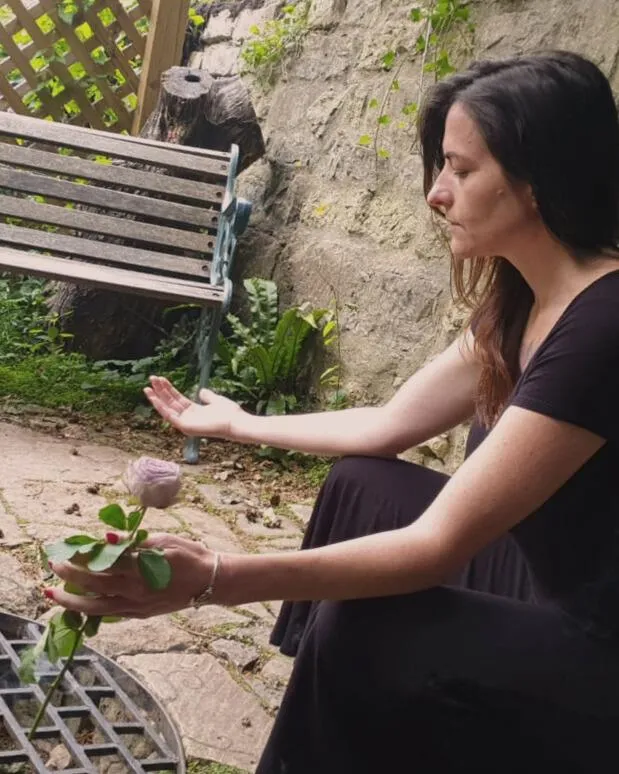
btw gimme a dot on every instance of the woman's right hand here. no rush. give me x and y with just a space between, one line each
210 418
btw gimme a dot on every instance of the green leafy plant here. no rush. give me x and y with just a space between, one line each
261 363
442 20
68 10
153 483
266 52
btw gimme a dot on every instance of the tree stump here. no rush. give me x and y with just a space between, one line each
196 109
193 109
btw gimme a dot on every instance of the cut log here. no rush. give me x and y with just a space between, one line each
196 109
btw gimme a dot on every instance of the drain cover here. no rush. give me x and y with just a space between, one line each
101 720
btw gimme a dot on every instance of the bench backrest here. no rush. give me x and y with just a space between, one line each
109 199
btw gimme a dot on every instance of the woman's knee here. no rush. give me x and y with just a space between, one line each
364 630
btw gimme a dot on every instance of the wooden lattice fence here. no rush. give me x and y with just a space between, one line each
83 68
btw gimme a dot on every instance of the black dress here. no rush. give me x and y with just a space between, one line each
515 666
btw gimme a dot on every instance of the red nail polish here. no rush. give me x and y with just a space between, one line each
112 538
48 593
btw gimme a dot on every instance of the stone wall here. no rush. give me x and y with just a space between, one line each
328 222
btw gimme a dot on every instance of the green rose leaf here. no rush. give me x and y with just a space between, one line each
133 520
30 658
27 665
92 625
73 588
155 568
140 536
112 619
79 540
50 647
114 516
87 548
61 551
63 637
72 620
107 556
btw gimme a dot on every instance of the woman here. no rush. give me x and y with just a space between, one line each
396 671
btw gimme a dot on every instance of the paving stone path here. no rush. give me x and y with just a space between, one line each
212 668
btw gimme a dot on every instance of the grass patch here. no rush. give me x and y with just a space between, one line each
318 470
196 766
67 380
36 368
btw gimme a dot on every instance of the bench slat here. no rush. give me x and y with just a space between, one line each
27 182
121 280
95 223
96 250
201 193
109 144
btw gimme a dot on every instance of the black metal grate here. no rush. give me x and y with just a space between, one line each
100 715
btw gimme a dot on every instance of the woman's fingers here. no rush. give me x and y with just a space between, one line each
99 605
167 542
167 393
110 584
169 414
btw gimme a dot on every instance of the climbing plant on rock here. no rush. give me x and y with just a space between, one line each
265 53
442 23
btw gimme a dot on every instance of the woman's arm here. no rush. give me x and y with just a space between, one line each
436 398
523 461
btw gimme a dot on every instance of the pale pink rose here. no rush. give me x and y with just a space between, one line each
155 483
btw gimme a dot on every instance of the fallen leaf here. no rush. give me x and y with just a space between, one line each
59 758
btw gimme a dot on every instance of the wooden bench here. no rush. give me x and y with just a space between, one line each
122 213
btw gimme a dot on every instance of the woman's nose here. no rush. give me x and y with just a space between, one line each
439 197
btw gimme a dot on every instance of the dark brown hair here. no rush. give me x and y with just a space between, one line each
550 120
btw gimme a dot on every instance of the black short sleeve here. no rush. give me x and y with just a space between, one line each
574 375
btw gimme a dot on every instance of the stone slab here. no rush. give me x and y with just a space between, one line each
279 669
53 509
259 529
18 592
303 512
218 29
11 533
210 617
218 60
30 455
153 635
211 529
325 14
217 718
244 657
249 18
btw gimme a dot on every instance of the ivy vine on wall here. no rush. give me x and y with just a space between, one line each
443 22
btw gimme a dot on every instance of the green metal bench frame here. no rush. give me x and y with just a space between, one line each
122 213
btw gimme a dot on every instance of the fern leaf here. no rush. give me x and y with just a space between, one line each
290 334
260 358
263 304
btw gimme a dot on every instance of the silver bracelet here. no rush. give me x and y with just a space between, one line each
204 597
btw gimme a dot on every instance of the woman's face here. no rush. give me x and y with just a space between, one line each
485 212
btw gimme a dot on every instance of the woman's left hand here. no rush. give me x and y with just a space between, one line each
122 591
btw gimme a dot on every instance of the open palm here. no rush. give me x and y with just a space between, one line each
212 417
